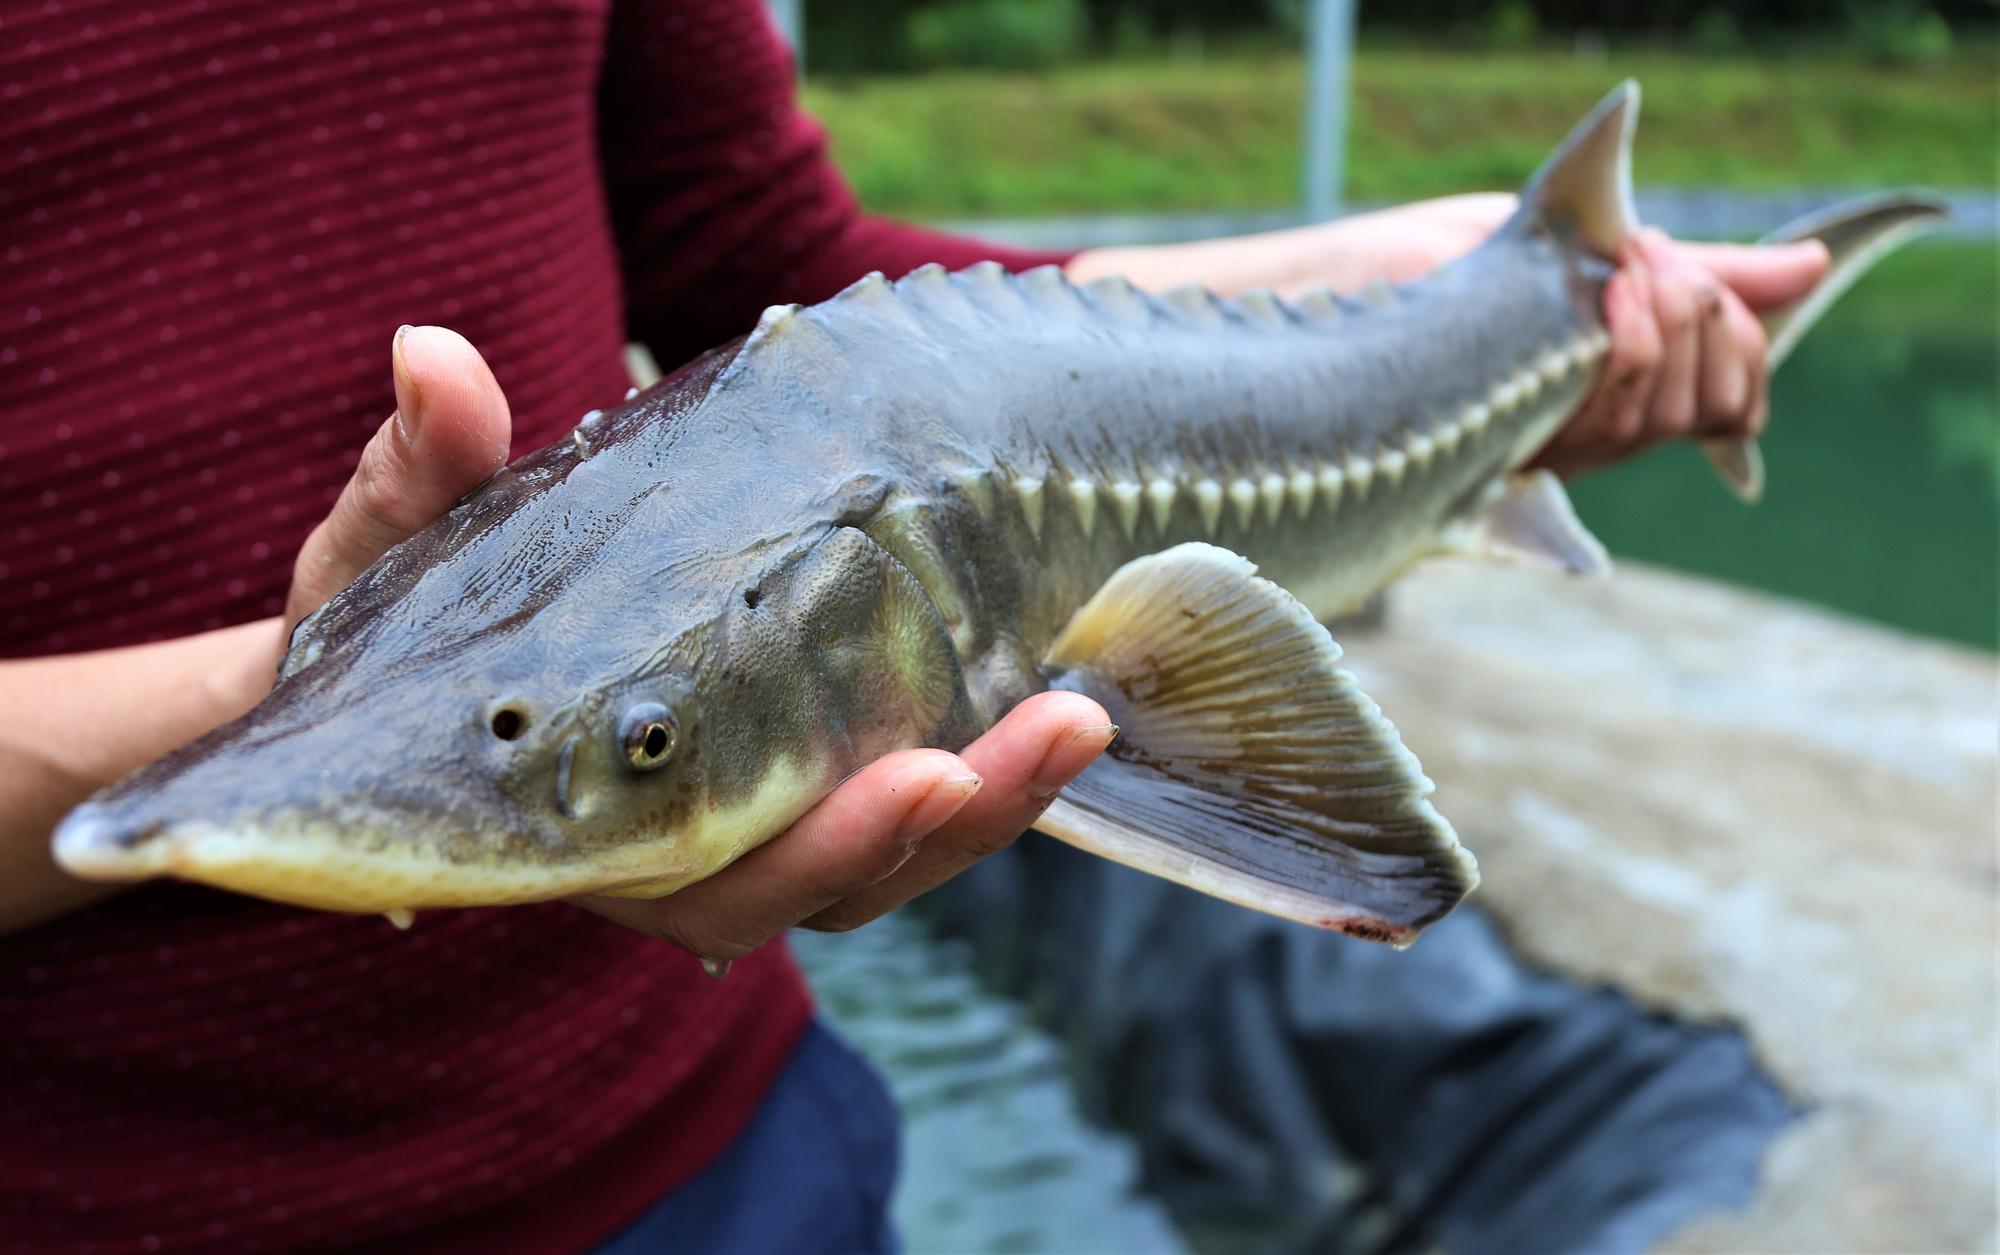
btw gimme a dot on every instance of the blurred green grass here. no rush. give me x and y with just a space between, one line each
1158 136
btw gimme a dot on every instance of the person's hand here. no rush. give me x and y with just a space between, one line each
448 434
889 832
1687 352
894 829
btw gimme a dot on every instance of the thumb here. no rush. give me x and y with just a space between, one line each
1764 276
449 433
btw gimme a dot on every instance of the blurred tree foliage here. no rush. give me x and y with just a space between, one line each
874 36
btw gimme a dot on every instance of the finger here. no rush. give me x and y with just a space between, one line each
1732 341
1609 418
1677 298
448 435
1766 276
855 836
1025 759
1632 367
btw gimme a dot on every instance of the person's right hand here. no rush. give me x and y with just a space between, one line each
449 433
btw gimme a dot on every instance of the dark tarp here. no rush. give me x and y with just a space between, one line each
1299 1090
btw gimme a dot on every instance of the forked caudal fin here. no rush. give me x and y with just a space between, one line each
1248 765
1857 234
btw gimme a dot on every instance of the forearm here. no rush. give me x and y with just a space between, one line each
1392 245
78 722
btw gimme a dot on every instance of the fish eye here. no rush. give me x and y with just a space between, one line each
649 735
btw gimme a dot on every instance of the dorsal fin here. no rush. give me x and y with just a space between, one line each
1585 187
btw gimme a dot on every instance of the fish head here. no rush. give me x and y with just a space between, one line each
583 743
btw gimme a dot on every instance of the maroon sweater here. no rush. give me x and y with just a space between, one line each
213 216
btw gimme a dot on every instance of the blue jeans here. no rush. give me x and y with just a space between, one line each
812 1172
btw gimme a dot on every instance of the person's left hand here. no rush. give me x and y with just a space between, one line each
1688 354
1687 351
896 828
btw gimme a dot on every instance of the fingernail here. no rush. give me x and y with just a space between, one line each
716 968
944 799
1068 756
407 397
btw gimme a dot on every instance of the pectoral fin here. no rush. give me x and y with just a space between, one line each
1248 765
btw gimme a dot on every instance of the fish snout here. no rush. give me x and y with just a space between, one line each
98 842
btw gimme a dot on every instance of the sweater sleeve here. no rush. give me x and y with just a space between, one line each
722 194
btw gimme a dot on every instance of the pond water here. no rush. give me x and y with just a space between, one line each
996 1154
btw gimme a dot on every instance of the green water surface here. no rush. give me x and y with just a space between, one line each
1884 459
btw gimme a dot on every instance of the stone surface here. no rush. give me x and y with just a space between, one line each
1747 810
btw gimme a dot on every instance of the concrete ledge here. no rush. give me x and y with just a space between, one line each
1741 809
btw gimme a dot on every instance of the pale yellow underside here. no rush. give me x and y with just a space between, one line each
317 867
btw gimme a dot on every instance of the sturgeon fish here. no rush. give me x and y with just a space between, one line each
882 521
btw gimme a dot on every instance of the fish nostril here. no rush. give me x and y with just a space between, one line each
509 723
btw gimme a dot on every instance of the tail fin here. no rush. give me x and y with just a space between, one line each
1585 187
1857 233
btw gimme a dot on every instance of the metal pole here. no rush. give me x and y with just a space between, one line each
791 19
1329 54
